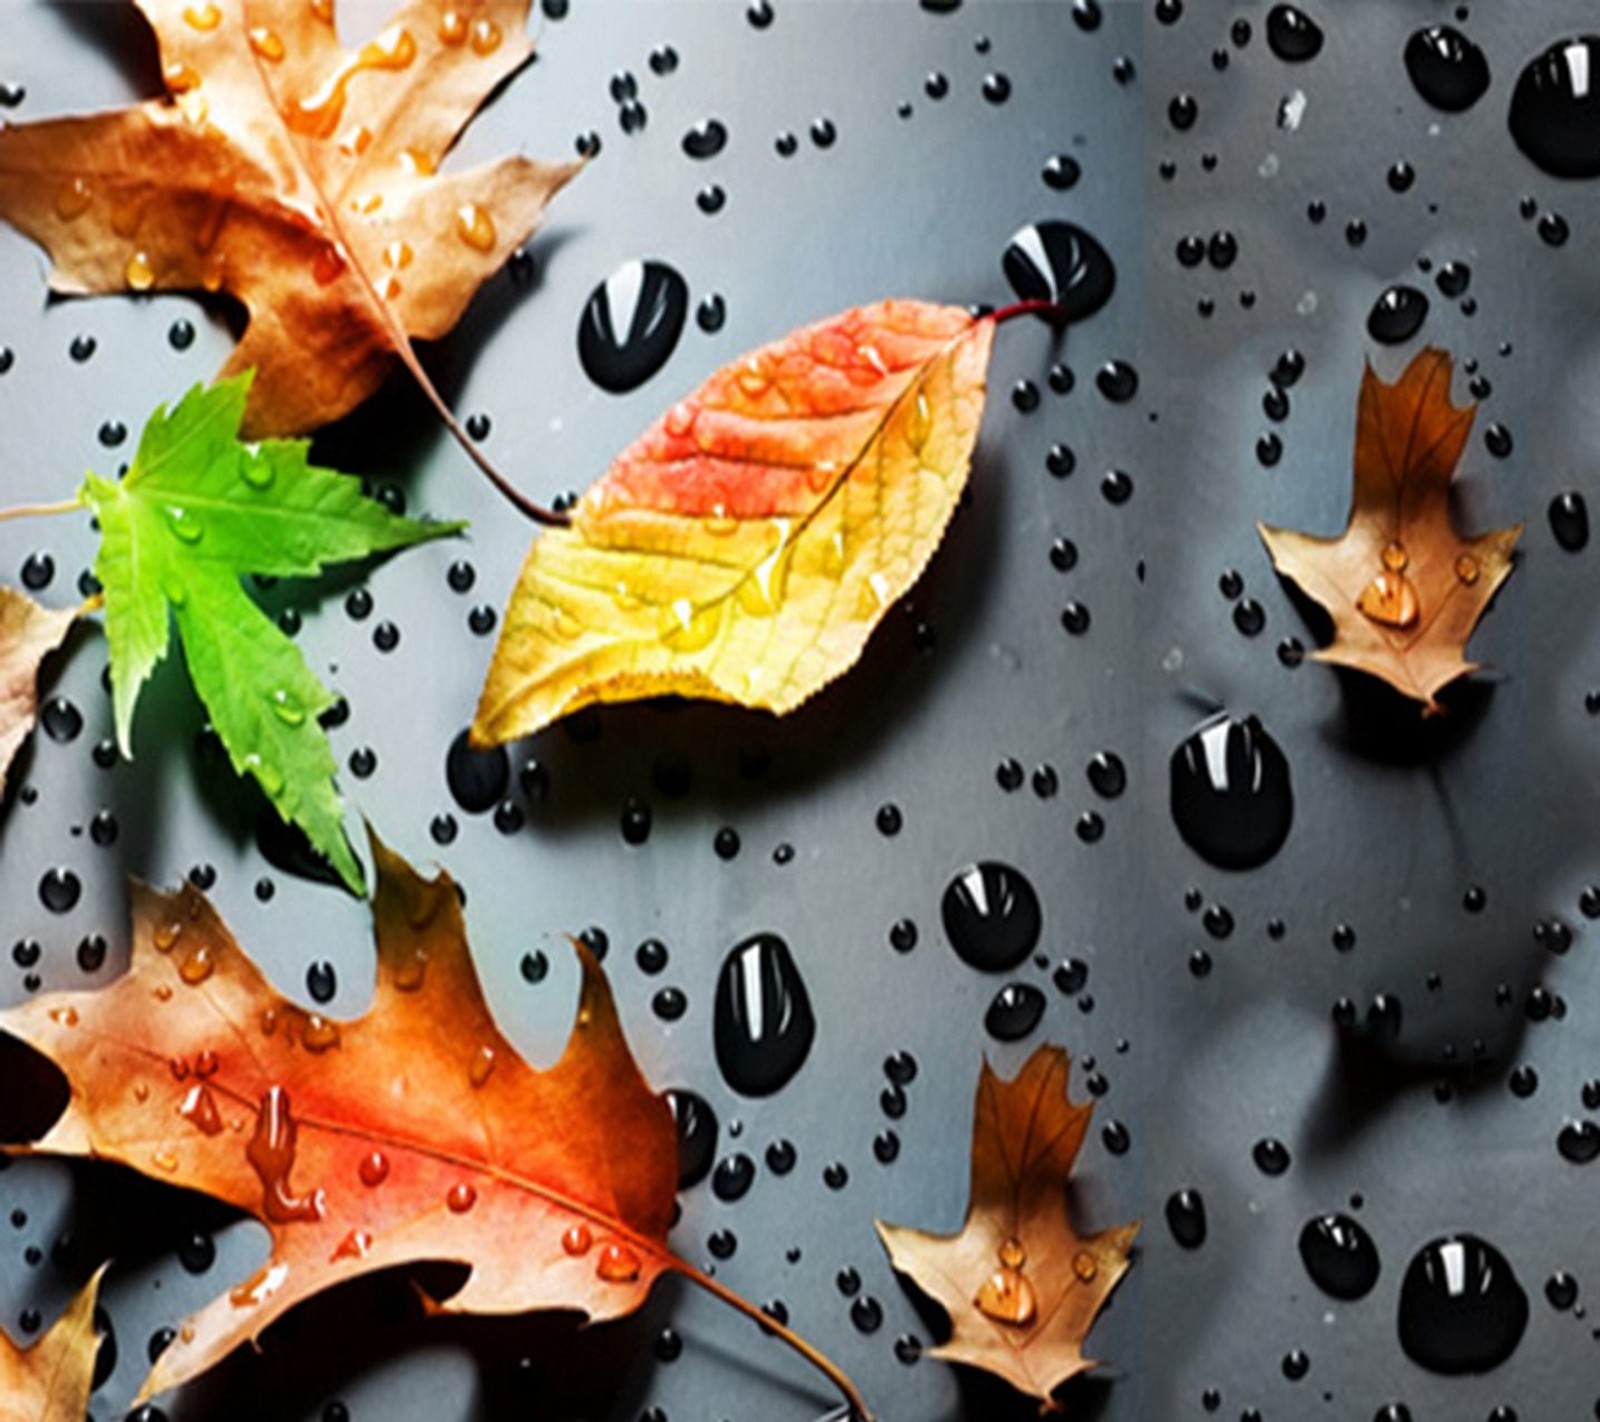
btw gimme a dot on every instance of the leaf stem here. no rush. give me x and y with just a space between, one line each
819 1360
1053 311
39 510
520 501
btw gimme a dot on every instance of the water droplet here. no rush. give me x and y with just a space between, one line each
199 1109
374 1169
1339 1256
486 36
1447 69
1186 1218
706 139
59 889
1006 1296
271 1155
1462 1309
1555 109
696 1124
1397 315
478 779
140 274
183 525
198 964
266 43
617 1264
631 324
577 1240
1292 34
475 227
1579 1142
482 1066
1231 796
1569 521
1060 262
1014 1013
452 29
763 1025
1270 1155
460 1198
991 916
204 17
1390 599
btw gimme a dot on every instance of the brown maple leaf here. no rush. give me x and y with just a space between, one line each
51 1381
415 1132
1404 589
28 634
1021 1286
300 178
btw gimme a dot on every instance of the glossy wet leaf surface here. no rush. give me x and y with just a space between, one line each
297 176
197 511
28 634
745 547
412 1133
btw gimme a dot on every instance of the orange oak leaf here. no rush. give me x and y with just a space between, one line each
28 634
51 1381
744 548
300 178
1404 589
1021 1286
414 1132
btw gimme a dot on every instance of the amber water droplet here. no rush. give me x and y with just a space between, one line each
1467 569
475 227
374 1169
686 628
328 266
141 1092
461 1198
267 43
1006 1295
617 1264
355 1245
1085 1266
259 1287
269 1021
73 199
271 1156
205 1064
322 10
181 78
204 18
452 28
486 36
165 1160
318 114
165 935
397 254
681 419
1390 599
64 1016
1395 557
199 1109
319 1034
198 965
415 161
140 274
577 1240
355 141
482 1068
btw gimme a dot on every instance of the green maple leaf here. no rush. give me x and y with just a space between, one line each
196 512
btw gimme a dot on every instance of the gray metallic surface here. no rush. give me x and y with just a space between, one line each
1499 794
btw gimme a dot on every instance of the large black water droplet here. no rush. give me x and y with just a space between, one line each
1446 68
697 1134
991 916
1231 797
1186 1218
1014 1013
1461 1307
1292 34
1397 315
1555 109
1060 262
477 778
631 324
1569 521
1340 1256
706 139
762 1025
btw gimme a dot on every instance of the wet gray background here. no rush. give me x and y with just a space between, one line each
1390 830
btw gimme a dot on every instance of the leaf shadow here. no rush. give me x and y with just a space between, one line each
598 760
122 36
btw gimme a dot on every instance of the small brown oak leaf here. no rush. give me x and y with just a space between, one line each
1403 588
